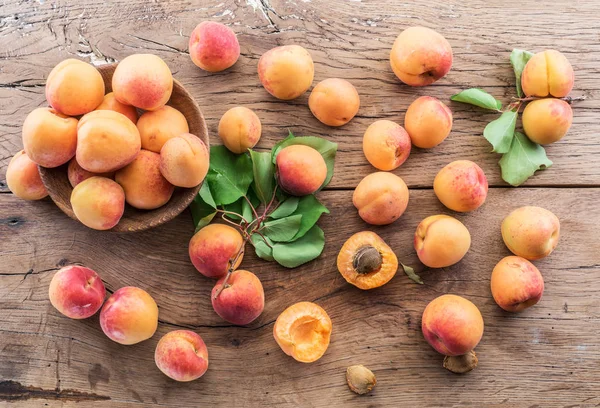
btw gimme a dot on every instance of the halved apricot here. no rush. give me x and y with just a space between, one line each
366 261
303 331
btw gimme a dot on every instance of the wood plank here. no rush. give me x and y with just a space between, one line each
546 356
347 39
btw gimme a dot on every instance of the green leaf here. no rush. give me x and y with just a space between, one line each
229 175
264 175
477 97
206 195
325 147
522 160
203 207
236 207
500 132
262 250
203 222
305 249
311 209
283 229
286 208
410 272
518 59
247 212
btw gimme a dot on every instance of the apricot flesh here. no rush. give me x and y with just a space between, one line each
23 178
547 120
182 355
547 73
386 145
531 232
286 72
241 300
239 129
184 160
160 125
110 102
380 198
428 122
213 248
301 170
76 292
334 101
461 186
516 284
441 241
213 46
98 203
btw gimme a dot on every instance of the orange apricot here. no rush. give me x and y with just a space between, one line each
334 101
23 178
380 198
547 120
547 73
184 160
213 46
110 102
301 170
214 247
286 72
239 129
160 125
386 145
77 174
98 203
461 186
428 122
441 240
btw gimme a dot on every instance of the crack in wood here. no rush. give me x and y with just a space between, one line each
15 391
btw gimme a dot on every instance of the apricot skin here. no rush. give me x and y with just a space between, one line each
213 46
182 355
49 137
380 198
334 101
184 160
547 73
547 121
386 145
23 178
143 80
301 170
461 186
76 292
286 72
452 325
77 174
160 125
213 247
516 284
98 203
428 122
240 129
531 232
74 87
110 102
242 300
441 241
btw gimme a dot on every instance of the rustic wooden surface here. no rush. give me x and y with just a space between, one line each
547 356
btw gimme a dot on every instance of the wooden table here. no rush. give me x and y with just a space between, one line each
547 356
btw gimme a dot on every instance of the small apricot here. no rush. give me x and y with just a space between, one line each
241 300
98 203
428 122
213 46
76 292
303 331
286 72
111 103
77 174
214 247
441 241
547 120
334 101
23 178
184 160
366 261
160 125
301 170
547 73
531 232
386 145
461 186
239 129
182 355
380 198
516 284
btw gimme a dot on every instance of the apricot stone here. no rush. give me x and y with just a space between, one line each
301 170
242 299
441 241
240 129
531 232
23 178
386 145
334 101
160 125
547 73
184 160
76 292
213 46
428 122
98 203
111 103
74 87
49 137
77 174
213 248
182 355
461 186
516 284
380 198
547 120
286 72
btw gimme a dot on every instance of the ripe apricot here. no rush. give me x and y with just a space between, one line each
77 174
366 261
547 73
111 103
334 101
23 178
547 120
386 145
441 240
301 170
213 46
531 232
240 129
182 355
303 331
184 160
241 300
380 198
98 203
76 292
286 72
213 248
516 284
461 186
428 122
160 125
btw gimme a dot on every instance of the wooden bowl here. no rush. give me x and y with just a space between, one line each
59 188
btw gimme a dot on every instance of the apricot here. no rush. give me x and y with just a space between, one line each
334 101
184 160
441 240
547 73
23 178
547 120
420 56
129 316
380 198
241 300
531 232
452 325
76 291
214 247
74 87
49 137
286 72
240 129
144 185
428 122
106 141
516 284
213 46
301 170
386 145
303 331
98 203
461 186
143 80
181 355
160 125
110 102
77 174
366 261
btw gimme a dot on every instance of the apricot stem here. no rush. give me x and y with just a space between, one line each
231 267
264 238
251 206
226 212
367 260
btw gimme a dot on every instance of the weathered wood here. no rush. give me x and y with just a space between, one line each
547 356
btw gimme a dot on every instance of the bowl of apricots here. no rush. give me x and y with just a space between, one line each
122 147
